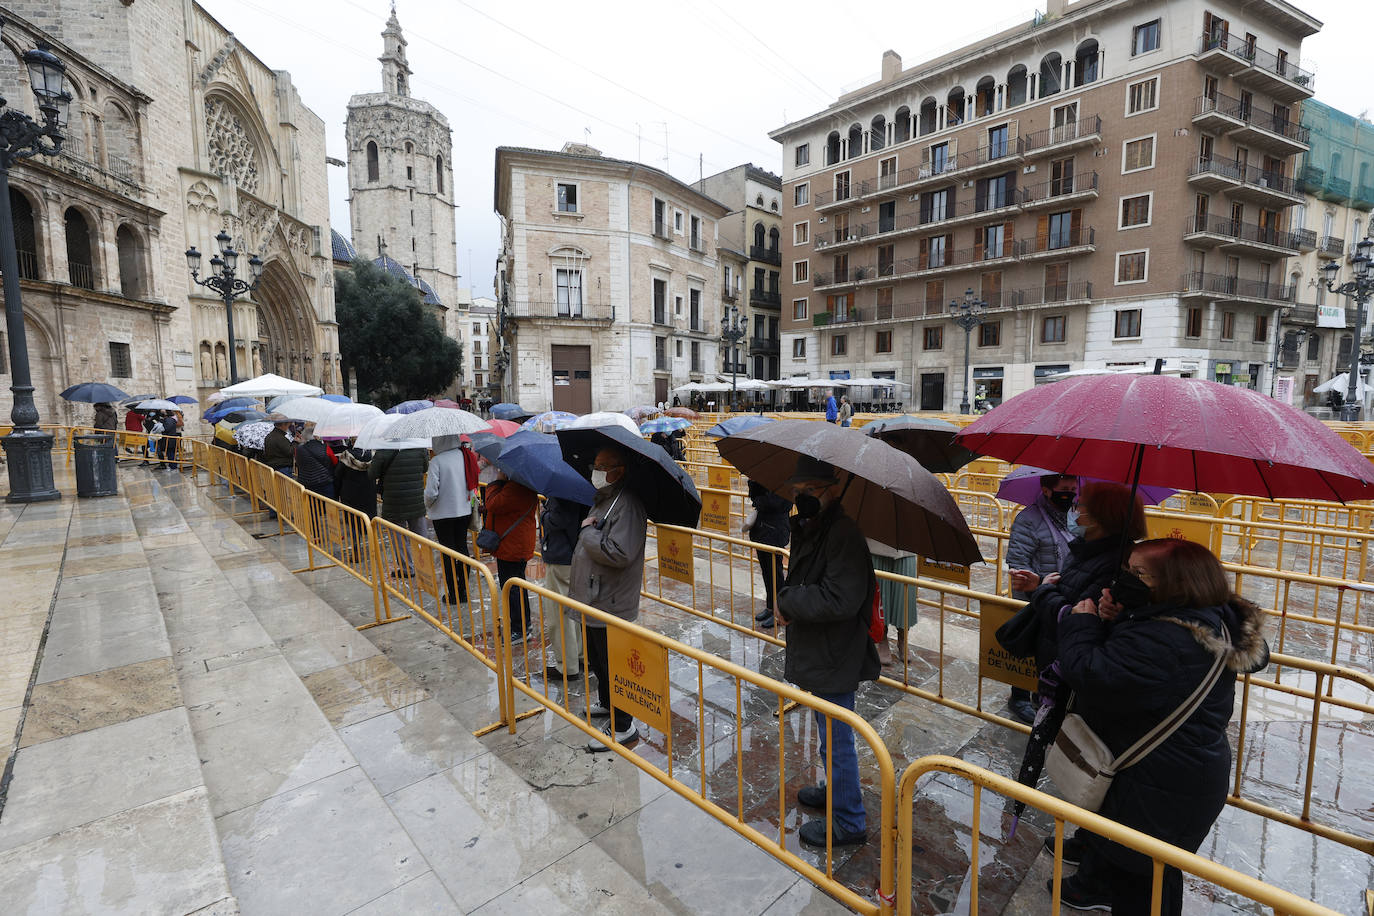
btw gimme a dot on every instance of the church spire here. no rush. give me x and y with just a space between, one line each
395 69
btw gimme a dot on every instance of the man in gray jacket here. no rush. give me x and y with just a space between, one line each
608 573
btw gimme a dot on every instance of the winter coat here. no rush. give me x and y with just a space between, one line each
352 485
277 452
608 561
846 412
448 491
827 600
1032 544
313 468
1133 672
1092 566
832 411
402 475
106 417
170 425
560 524
771 526
510 512
133 421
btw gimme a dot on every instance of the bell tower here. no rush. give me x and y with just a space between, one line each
395 69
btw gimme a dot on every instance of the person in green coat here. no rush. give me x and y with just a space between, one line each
400 474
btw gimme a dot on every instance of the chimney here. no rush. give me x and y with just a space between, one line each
1054 9
892 65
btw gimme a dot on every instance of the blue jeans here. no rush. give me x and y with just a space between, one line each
846 798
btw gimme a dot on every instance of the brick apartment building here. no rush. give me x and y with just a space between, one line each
1113 179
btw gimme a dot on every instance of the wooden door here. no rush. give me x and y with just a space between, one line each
572 378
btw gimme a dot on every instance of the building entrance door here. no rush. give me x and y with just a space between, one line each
572 378
932 391
660 391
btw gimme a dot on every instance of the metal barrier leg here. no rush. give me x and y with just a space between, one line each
381 609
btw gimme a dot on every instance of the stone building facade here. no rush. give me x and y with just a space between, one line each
176 133
609 286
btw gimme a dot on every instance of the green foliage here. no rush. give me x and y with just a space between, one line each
390 338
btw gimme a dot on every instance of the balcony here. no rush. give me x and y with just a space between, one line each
1267 188
765 298
930 173
1064 192
969 210
698 244
1213 174
1218 113
765 254
1058 245
764 345
1281 135
728 293
1330 248
843 277
1078 293
1085 131
1362 198
1210 231
78 274
663 230
1223 288
1253 66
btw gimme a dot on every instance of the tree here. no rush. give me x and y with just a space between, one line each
389 338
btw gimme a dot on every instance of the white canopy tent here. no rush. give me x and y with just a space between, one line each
1341 383
266 386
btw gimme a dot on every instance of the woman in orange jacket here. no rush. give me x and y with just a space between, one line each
510 513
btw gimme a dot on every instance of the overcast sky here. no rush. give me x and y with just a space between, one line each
692 86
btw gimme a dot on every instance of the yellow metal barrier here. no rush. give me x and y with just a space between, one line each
647 691
1162 854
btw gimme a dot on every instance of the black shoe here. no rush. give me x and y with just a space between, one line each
812 796
1080 898
813 834
1073 848
766 623
764 614
553 674
1022 710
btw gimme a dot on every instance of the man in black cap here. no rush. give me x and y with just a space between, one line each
826 605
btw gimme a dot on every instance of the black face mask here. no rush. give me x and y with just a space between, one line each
1063 501
808 506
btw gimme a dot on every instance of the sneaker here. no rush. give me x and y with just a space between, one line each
628 738
813 834
517 638
1080 898
812 796
1073 848
600 712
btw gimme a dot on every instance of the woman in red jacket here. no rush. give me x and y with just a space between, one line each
510 513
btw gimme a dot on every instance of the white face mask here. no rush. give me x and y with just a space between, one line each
599 479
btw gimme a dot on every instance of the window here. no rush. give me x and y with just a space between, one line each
882 343
696 355
992 193
886 260
567 198
1142 96
660 301
1061 177
697 241
882 303
1145 38
569 293
373 169
1261 329
993 239
1194 328
677 306
933 338
439 174
694 309
1314 347
842 186
801 271
801 233
1052 329
802 155
677 221
935 297
1138 154
799 346
678 347
1131 267
121 362
839 345
1061 226
990 334
1127 323
887 216
801 194
935 206
660 219
1228 325
939 158
1057 281
997 141
1135 211
660 354
798 309
935 251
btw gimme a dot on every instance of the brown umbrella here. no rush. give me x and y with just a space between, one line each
685 413
894 500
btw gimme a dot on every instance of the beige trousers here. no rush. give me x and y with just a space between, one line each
559 579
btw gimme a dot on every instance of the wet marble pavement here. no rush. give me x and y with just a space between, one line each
336 770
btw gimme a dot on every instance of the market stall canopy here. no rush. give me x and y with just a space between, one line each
266 386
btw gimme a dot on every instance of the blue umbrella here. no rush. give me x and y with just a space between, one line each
508 411
550 421
535 460
664 425
411 406
337 398
181 399
736 425
94 393
217 411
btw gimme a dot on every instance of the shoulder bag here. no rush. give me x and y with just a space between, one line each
489 540
1082 765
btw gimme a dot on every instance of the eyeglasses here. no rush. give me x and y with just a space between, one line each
1140 573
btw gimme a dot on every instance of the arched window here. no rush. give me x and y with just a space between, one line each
985 96
1017 80
929 121
1051 74
760 235
856 141
954 107
410 147
130 263
25 236
901 125
758 201
439 173
373 170
1085 63
79 269
400 84
832 148
877 136
773 238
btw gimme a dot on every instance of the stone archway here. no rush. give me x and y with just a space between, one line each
286 326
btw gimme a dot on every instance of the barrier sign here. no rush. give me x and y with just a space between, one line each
639 677
715 511
424 567
983 483
983 466
945 572
718 477
995 662
1198 531
675 558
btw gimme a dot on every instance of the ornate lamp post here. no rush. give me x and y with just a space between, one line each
1357 288
224 280
967 315
733 327
27 449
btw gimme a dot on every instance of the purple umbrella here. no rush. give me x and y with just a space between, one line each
1023 486
411 406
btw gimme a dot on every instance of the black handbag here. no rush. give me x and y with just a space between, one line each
489 540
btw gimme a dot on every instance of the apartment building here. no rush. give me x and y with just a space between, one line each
1113 179
609 284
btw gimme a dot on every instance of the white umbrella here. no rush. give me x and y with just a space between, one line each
158 404
311 410
347 420
751 384
690 386
437 421
604 418
266 386
1341 383
374 434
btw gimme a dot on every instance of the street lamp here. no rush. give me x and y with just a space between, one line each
733 327
967 315
224 280
1358 289
28 450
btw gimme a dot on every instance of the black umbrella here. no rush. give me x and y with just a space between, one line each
668 494
94 393
926 439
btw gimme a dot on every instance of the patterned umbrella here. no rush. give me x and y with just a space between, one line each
664 425
643 414
686 413
410 406
252 435
550 421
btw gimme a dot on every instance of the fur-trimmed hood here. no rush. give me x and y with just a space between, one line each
1248 652
352 458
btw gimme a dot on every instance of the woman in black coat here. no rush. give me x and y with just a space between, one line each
314 467
1128 677
770 527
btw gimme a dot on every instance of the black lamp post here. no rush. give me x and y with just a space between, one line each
733 327
1358 289
224 280
28 450
967 315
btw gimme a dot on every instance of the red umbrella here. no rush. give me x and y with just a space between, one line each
503 428
1191 434
445 402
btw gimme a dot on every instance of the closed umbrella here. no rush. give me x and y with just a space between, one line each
668 494
347 420
735 425
1023 486
436 421
535 460
94 393
664 425
926 439
252 435
509 411
605 418
550 421
893 499
406 407
373 436
311 410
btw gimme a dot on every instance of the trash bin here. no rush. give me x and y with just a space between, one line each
95 465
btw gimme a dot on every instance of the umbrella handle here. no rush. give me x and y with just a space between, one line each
1126 541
